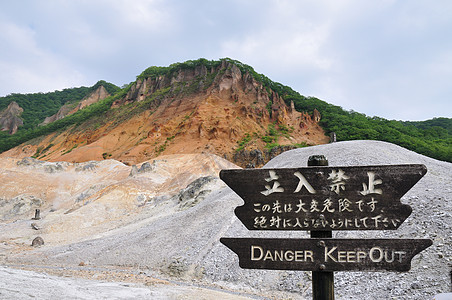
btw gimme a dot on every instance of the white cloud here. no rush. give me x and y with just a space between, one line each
64 44
147 15
25 67
350 53
293 50
23 79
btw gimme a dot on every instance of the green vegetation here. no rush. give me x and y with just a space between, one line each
154 72
437 127
26 133
432 137
301 145
209 80
38 106
243 142
271 137
106 155
158 150
41 150
70 150
269 108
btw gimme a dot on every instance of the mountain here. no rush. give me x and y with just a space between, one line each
38 106
222 107
211 107
157 217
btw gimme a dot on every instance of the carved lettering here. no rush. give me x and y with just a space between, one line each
303 183
375 254
258 253
253 252
372 254
329 254
370 189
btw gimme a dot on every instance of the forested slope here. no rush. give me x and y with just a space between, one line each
432 137
38 106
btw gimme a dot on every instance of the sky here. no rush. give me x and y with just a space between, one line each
385 58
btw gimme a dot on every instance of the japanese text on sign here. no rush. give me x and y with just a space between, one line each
326 210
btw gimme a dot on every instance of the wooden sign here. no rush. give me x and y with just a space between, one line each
323 198
326 254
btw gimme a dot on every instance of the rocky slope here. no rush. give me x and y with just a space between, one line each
165 219
96 196
10 118
67 109
217 110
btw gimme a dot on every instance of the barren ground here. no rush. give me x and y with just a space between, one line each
156 234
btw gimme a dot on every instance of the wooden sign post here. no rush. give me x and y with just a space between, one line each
326 255
323 198
323 280
320 199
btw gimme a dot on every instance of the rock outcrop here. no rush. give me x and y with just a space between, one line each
37 242
10 118
216 108
69 108
62 112
256 158
220 109
145 168
18 205
99 94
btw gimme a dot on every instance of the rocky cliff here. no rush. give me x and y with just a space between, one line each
62 112
10 118
69 108
99 94
217 109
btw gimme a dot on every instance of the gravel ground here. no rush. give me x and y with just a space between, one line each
431 201
185 243
23 284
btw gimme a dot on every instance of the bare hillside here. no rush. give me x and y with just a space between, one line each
166 220
219 110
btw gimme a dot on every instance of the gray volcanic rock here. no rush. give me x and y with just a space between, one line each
37 242
48 167
185 243
18 205
145 168
431 201
18 284
21 284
